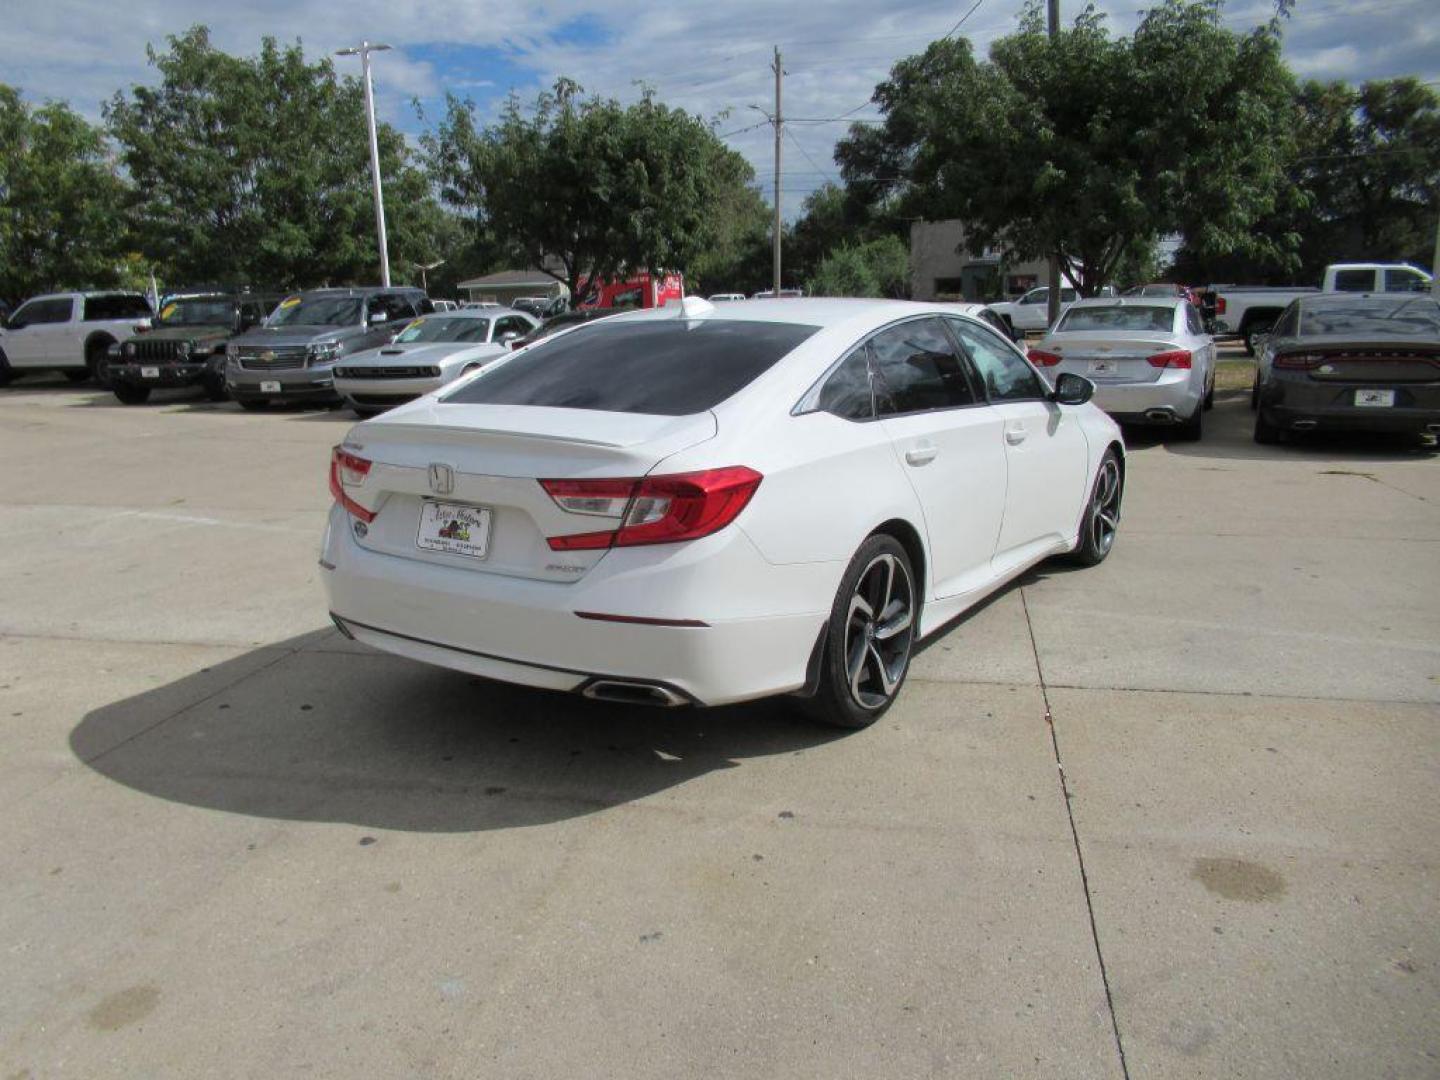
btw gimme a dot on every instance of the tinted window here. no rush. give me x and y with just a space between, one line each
1128 316
668 367
1006 376
1286 325
116 307
1403 281
995 320
510 324
43 311
1415 317
846 392
1354 280
917 368
196 311
441 328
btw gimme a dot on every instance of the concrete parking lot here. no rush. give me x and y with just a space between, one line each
1173 816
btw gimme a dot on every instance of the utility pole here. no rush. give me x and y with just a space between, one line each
363 50
1052 305
775 270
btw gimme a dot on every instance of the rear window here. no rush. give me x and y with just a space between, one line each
98 308
668 368
1408 317
1118 317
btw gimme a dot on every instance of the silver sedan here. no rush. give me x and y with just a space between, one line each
1149 358
429 353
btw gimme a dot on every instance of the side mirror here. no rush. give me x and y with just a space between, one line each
1071 389
248 319
14 324
377 317
508 336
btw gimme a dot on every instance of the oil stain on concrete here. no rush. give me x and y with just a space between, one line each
124 1008
1236 879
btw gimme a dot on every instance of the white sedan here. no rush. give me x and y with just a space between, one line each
713 503
429 353
1149 358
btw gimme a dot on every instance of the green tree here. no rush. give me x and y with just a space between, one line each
1083 145
833 216
879 267
257 169
587 187
62 221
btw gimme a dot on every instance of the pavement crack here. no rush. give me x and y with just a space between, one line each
1075 837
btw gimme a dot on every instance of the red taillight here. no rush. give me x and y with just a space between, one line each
349 470
1298 361
1219 305
653 509
1041 358
1179 358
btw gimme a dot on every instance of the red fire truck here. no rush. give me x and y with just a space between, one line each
636 291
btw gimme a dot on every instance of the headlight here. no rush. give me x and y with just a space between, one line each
114 349
323 352
432 371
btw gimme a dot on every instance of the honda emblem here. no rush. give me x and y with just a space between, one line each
442 478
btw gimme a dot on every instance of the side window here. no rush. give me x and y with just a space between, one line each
38 312
1402 280
1036 296
1288 323
917 368
510 324
846 392
98 308
1354 280
1193 322
1006 376
397 307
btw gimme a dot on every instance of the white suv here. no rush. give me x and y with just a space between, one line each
69 332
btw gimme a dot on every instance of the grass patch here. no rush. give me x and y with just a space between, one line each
1234 374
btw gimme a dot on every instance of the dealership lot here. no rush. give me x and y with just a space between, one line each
1175 815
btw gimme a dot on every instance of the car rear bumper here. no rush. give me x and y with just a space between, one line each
1289 402
747 642
1175 394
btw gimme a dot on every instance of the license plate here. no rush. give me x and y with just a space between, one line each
1103 366
270 386
1374 399
149 372
454 528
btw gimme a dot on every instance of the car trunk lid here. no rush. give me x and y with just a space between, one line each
1378 362
1105 357
492 457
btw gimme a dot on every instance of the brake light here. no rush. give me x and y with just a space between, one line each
1298 361
1179 359
1219 305
653 509
348 470
1041 358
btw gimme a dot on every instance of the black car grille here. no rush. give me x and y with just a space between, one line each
266 358
153 351
388 372
382 400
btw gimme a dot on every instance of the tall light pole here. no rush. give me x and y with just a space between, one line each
1052 297
775 251
363 50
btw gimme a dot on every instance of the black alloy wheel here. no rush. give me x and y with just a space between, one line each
1101 522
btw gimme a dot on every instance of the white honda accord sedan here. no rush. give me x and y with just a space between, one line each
712 503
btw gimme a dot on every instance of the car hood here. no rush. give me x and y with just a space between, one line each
267 336
427 352
188 333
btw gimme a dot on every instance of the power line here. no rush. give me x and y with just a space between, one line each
806 155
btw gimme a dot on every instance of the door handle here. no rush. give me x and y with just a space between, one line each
1015 436
921 455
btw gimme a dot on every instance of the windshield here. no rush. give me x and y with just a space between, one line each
196 311
1409 317
667 368
433 328
1117 317
316 311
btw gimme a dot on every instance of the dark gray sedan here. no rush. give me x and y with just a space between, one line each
1338 361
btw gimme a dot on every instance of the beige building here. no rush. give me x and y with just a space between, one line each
509 285
941 268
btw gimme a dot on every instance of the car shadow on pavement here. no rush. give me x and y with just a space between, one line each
318 729
1229 434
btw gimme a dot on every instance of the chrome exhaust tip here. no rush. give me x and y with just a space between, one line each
1303 425
621 692
1433 429
1160 416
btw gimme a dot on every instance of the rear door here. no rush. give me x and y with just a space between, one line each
950 447
46 338
1046 452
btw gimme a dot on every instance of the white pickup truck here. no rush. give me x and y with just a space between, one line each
69 332
1247 311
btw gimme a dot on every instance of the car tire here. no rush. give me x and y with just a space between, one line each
254 405
1101 521
127 394
854 695
1210 393
7 373
215 388
97 363
1192 429
1267 432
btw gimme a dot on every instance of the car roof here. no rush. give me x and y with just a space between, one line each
1375 299
1127 301
87 293
468 313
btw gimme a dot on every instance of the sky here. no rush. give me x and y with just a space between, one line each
711 58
